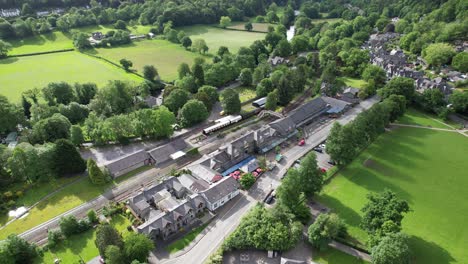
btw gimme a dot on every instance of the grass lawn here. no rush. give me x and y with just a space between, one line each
164 55
23 73
56 40
216 37
82 245
417 117
246 93
333 256
424 167
185 241
353 82
129 175
68 198
328 20
263 27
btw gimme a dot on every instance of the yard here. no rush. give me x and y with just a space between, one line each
82 246
426 168
246 93
353 82
216 37
23 73
333 256
185 241
164 55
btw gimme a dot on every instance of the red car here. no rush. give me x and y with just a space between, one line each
301 142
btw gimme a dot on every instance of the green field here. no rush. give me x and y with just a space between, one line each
333 256
164 55
428 169
353 82
416 117
82 245
216 37
263 27
23 73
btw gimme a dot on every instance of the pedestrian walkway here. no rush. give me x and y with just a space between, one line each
350 251
462 132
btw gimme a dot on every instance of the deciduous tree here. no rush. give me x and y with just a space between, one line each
193 112
230 101
107 235
137 247
225 21
325 228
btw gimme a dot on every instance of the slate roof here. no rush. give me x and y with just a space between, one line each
283 126
221 189
127 161
351 90
162 153
308 111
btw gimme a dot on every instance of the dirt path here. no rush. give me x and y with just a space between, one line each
462 132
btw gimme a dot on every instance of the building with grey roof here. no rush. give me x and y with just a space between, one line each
128 163
221 192
308 112
162 154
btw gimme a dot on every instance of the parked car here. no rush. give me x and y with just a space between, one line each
331 162
301 142
269 200
318 149
298 161
322 146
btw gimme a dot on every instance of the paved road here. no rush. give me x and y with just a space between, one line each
225 224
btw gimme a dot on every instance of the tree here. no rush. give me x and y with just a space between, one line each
50 129
459 62
115 98
67 159
459 101
183 70
17 250
176 99
223 50
312 176
95 173
69 225
58 93
248 26
74 112
26 107
193 112
230 101
126 64
272 100
80 41
107 235
211 91
120 24
382 207
373 72
4 48
290 194
114 255
432 99
246 181
186 42
200 46
224 21
299 43
10 115
85 92
27 10
284 91
246 77
187 83
325 228
283 48
399 86
392 249
438 54
150 72
92 216
76 135
198 74
137 247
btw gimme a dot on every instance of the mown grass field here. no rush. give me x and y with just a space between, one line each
82 245
333 256
164 55
353 82
216 37
263 27
428 169
58 40
416 117
23 73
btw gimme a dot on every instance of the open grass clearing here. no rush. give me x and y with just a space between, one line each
56 40
20 74
164 55
82 245
216 37
185 241
414 116
333 256
328 20
263 27
353 82
246 93
427 168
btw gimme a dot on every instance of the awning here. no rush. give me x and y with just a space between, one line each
177 155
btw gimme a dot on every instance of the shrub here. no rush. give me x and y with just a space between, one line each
53 238
92 216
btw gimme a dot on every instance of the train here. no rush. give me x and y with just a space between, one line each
221 123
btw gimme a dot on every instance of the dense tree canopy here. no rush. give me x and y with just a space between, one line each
10 115
392 249
193 112
107 235
137 247
438 54
325 228
230 101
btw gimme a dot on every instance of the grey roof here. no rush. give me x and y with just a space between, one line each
221 189
162 153
309 111
283 126
351 90
193 184
203 172
127 161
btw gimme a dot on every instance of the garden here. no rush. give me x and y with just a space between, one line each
425 168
